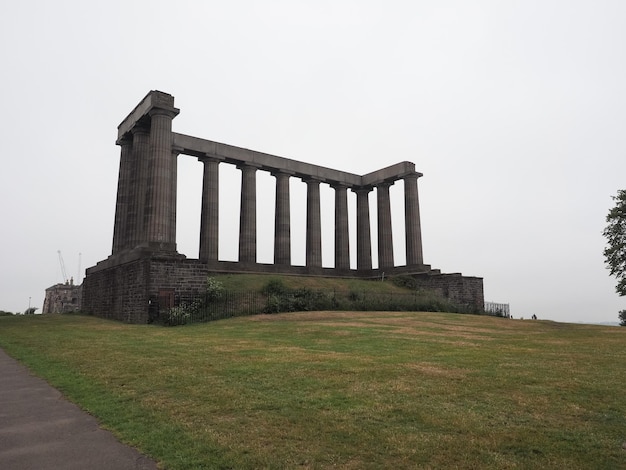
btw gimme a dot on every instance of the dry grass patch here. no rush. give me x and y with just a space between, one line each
437 370
344 390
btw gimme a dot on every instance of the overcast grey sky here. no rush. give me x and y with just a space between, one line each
514 111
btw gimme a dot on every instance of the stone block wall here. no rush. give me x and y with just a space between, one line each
463 290
118 292
186 277
62 298
132 292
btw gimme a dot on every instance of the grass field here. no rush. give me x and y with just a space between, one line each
343 390
256 282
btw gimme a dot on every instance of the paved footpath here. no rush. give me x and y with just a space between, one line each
41 430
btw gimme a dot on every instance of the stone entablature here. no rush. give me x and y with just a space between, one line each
201 148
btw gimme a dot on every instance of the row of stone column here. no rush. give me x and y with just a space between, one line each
282 233
145 214
146 206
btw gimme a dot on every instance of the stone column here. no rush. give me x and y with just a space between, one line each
209 218
174 197
412 221
161 194
385 236
124 184
342 243
138 190
247 215
313 224
282 230
363 234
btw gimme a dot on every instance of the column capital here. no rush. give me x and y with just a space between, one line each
362 189
415 175
140 128
171 112
126 140
210 158
281 173
248 166
311 179
387 184
338 185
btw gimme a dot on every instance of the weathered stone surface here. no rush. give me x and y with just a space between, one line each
63 298
363 233
144 264
282 221
342 242
209 220
313 224
247 215
385 236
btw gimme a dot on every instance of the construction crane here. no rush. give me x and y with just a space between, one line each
65 279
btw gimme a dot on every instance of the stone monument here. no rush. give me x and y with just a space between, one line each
145 266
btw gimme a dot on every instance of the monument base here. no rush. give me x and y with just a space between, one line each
132 286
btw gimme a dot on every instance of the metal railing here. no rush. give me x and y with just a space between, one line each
500 310
203 308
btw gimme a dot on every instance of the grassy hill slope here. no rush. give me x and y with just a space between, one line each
343 390
241 282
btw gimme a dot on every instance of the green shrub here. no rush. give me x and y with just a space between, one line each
281 299
181 314
275 287
405 281
308 300
214 289
273 304
356 296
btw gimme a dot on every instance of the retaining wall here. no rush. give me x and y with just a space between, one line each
132 291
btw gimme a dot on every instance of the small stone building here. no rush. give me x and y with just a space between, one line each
63 298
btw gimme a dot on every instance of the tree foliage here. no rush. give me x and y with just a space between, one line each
615 233
622 317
